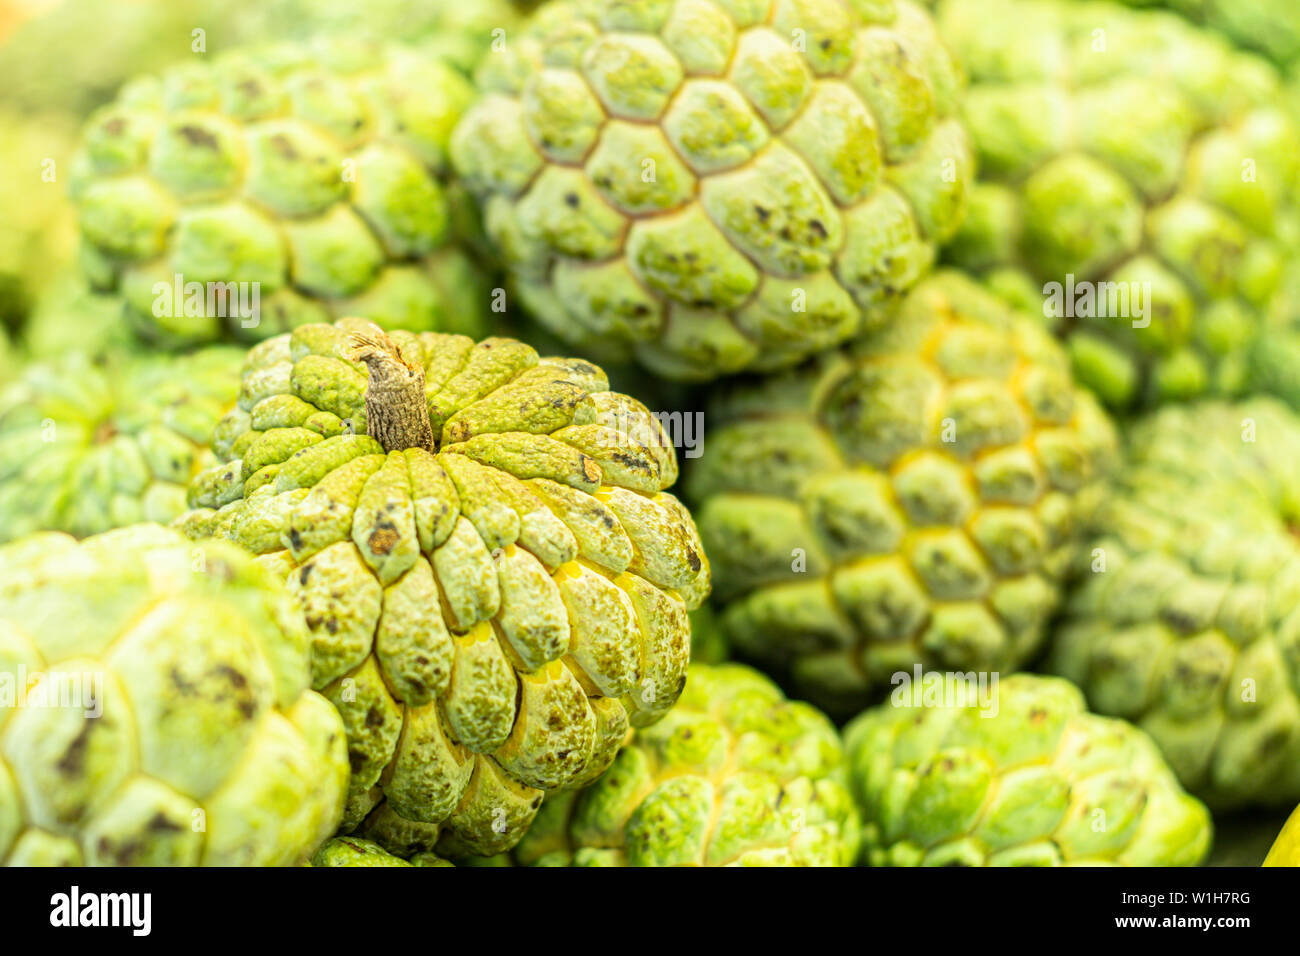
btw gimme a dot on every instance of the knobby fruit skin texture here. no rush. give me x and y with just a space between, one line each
315 173
1186 615
209 748
1269 27
488 615
914 498
1037 782
87 445
717 185
1139 154
354 851
734 775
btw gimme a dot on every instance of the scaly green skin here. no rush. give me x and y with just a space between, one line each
1270 27
488 615
92 444
353 851
1039 782
209 750
1186 619
317 171
912 499
735 775
683 180
1166 157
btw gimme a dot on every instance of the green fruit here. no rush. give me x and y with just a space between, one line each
913 499
88 445
307 182
1186 619
1143 164
192 738
353 851
495 581
717 186
1286 850
69 317
1270 27
1025 777
735 775
39 238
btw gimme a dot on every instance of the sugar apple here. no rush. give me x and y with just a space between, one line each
314 176
1129 158
493 577
353 851
89 445
1270 27
193 739
913 499
735 775
1025 778
1186 617
716 185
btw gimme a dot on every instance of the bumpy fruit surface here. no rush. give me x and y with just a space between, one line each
717 185
1143 163
491 598
1026 777
193 738
354 851
314 174
911 499
1186 618
1270 27
88 445
735 775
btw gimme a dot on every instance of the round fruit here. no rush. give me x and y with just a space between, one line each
1186 619
92 444
1138 179
1016 774
715 185
495 581
191 738
913 499
280 186
353 851
735 775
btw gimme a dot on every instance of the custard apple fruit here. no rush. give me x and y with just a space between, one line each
276 187
87 445
912 499
1138 180
1186 617
713 185
1024 776
735 775
495 580
194 739
354 851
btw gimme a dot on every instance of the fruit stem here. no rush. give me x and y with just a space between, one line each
397 412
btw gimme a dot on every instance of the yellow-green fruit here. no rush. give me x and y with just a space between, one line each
279 186
1016 773
495 580
1186 616
712 185
154 708
735 775
911 500
1286 850
1270 27
93 443
354 851
1140 176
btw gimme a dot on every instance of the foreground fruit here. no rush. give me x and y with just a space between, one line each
1026 777
494 579
193 739
912 499
1186 620
353 851
735 775
718 186
312 176
88 445
1146 168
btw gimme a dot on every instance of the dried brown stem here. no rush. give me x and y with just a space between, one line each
397 412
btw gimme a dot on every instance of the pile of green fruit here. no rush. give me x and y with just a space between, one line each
350 357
